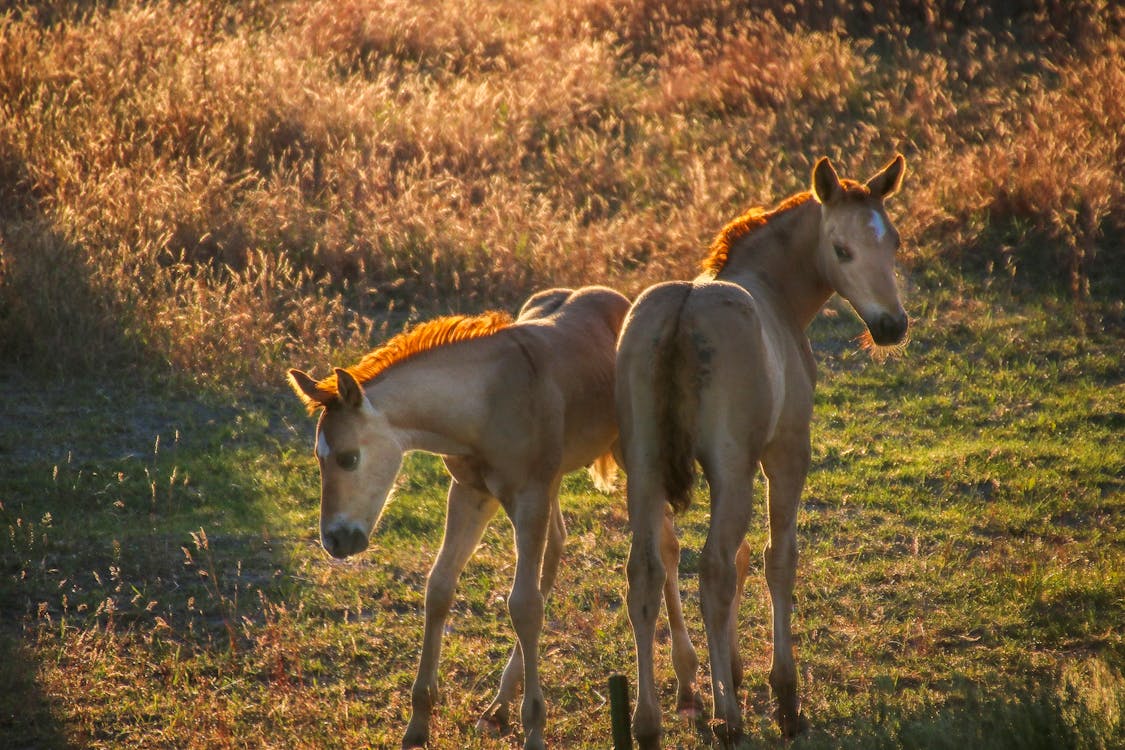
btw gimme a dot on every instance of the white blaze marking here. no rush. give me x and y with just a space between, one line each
878 225
322 449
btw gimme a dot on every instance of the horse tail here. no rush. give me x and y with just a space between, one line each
676 403
603 472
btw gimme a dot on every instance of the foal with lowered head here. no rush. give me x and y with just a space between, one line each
511 406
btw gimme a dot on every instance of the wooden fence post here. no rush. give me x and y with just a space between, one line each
619 712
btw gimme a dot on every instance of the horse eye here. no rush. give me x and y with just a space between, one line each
347 460
842 253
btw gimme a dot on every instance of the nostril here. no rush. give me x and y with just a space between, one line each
330 543
900 323
357 542
886 325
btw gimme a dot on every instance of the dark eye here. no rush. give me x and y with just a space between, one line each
347 460
842 253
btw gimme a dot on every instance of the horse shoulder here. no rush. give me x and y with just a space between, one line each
516 447
524 397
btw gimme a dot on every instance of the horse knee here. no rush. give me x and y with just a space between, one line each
646 579
780 559
423 695
717 574
439 596
644 568
526 610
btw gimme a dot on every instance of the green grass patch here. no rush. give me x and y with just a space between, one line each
961 581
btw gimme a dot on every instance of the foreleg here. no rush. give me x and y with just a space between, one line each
496 719
531 518
468 513
786 470
731 503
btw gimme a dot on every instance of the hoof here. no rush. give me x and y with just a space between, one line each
414 740
791 724
726 736
788 714
494 725
646 724
690 706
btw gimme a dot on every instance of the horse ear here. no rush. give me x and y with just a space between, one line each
826 185
887 182
351 392
306 389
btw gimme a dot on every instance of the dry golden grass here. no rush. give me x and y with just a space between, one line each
225 189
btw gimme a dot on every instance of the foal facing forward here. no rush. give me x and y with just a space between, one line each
511 406
720 370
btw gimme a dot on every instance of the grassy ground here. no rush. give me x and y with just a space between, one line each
962 578
179 180
203 194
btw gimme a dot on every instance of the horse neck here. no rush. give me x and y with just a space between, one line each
435 401
781 257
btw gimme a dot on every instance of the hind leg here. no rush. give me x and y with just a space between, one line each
531 511
646 575
785 468
496 718
684 659
741 566
731 501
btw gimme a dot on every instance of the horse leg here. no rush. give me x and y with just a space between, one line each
496 717
742 565
785 467
468 513
647 577
684 659
731 503
531 518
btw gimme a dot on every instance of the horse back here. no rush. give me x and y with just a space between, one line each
568 339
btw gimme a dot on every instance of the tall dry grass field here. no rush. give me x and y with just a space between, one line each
183 180
196 195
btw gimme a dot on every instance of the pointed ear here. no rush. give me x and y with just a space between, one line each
305 387
826 185
886 183
351 392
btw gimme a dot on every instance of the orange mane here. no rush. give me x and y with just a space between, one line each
756 217
421 338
